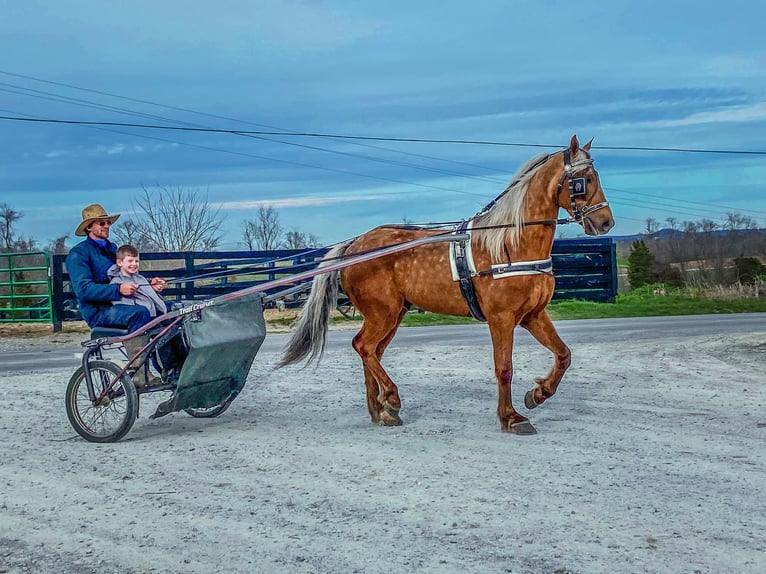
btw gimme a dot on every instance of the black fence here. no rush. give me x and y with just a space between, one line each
584 269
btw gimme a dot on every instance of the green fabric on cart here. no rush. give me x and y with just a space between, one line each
223 339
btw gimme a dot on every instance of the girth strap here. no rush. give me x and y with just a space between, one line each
463 267
544 266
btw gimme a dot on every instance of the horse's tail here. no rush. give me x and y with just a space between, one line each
310 336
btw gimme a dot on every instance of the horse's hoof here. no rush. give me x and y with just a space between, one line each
390 417
522 428
529 400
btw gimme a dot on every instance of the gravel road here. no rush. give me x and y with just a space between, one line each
651 458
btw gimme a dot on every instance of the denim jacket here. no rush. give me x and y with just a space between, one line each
87 265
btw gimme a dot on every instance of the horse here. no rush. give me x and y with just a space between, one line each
503 275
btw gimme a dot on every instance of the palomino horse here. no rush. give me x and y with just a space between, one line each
507 281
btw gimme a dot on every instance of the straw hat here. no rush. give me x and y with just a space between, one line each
91 214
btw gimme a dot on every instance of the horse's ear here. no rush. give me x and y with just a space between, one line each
586 147
574 145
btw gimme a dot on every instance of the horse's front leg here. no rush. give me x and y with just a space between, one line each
541 327
502 345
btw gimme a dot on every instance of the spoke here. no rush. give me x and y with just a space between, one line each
102 420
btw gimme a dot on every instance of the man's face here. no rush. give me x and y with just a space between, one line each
99 229
129 264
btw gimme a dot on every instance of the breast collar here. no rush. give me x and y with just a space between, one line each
463 268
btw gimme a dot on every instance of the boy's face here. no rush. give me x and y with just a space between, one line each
128 264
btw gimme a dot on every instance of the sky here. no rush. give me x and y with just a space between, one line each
682 75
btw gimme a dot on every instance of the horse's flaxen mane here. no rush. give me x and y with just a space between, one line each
508 213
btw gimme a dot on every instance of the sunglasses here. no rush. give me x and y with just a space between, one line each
103 223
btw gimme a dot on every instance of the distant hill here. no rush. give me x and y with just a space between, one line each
666 233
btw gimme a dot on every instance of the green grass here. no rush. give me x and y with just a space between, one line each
639 303
642 302
669 305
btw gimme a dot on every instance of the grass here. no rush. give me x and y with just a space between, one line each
648 301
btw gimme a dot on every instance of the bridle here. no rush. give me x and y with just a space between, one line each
578 187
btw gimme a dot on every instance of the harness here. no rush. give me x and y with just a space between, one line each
461 258
464 269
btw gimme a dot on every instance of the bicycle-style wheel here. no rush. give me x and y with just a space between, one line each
111 417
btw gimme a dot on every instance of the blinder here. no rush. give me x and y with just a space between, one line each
578 187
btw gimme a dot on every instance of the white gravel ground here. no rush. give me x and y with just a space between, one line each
651 458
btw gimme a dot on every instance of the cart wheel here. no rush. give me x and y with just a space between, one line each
110 419
210 412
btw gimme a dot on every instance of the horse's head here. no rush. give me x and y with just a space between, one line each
580 192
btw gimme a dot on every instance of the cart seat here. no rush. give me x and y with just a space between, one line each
99 332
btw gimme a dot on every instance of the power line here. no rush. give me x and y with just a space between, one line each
216 116
706 206
288 162
95 105
700 211
258 135
371 138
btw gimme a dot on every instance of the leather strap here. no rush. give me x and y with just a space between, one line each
465 280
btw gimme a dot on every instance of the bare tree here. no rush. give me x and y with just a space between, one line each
265 233
57 246
135 233
173 220
736 221
297 240
652 226
8 217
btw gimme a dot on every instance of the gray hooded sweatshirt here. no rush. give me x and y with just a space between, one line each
145 295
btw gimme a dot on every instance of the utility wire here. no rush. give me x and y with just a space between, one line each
288 162
216 116
39 94
373 138
250 133
647 204
704 206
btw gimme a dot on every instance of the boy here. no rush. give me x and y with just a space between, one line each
126 271
145 294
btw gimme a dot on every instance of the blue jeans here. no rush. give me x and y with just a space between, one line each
130 317
133 317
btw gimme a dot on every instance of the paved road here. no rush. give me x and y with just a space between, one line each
573 332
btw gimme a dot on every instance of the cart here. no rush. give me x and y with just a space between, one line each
222 335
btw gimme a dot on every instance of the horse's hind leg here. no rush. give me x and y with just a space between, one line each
383 401
541 327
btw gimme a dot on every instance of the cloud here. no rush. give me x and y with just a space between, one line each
297 202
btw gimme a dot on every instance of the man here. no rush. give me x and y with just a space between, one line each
88 264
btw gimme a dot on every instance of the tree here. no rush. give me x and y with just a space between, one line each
298 240
8 217
749 269
265 233
736 221
173 220
57 246
652 226
133 232
640 264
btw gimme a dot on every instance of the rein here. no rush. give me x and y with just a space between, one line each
577 188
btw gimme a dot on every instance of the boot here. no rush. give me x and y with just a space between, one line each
140 377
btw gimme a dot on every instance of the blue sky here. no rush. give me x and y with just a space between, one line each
655 74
